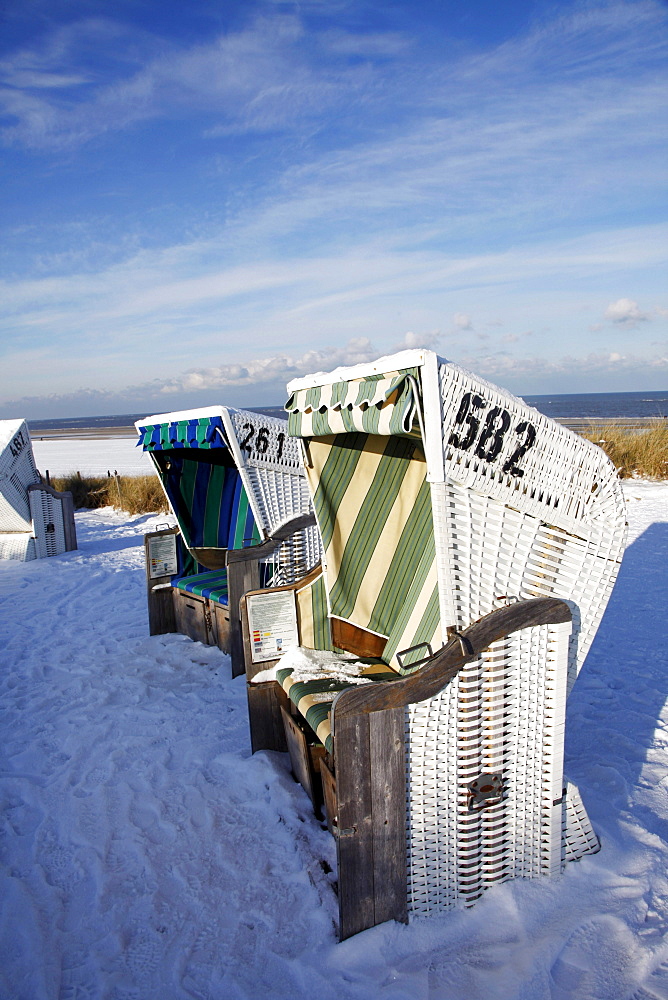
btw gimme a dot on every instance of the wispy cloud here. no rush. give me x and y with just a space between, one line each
399 193
266 75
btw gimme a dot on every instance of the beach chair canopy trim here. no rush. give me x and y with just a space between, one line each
377 404
203 432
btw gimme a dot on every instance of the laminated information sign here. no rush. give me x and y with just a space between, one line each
162 559
272 623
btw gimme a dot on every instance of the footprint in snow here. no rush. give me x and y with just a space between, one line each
600 959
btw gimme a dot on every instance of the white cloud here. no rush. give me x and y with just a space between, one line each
414 341
248 384
625 312
280 368
501 366
462 321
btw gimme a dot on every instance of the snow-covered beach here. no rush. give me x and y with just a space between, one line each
91 456
146 855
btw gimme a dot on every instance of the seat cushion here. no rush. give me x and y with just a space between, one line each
313 698
212 584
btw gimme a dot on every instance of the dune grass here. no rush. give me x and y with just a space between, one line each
642 452
134 494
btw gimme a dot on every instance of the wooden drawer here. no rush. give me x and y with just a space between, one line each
193 617
220 617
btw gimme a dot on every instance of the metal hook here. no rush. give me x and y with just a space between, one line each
464 644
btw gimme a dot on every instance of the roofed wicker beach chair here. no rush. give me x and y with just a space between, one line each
236 486
35 520
470 547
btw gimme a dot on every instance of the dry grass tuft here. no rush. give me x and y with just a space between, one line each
134 494
641 453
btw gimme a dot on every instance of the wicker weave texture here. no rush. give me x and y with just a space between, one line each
504 715
17 472
19 545
264 442
47 516
274 477
497 445
494 554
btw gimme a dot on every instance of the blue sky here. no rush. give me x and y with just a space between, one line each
201 201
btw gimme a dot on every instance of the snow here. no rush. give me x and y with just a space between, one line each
94 456
146 855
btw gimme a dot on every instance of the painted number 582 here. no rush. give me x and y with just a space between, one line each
486 434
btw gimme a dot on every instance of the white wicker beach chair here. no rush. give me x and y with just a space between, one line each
35 520
471 545
236 486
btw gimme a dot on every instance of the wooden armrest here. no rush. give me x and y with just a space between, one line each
279 535
448 661
305 581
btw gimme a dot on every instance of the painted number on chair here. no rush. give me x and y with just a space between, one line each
258 440
17 444
485 431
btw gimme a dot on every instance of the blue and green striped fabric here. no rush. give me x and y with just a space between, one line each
211 584
201 432
209 501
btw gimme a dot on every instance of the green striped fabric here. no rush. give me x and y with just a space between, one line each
313 699
312 609
374 512
321 632
380 404
200 432
208 498
211 584
373 505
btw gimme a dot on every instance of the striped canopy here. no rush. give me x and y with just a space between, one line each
202 432
379 404
202 483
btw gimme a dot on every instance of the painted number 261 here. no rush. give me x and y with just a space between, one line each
262 440
489 440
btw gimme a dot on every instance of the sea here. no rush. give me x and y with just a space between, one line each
566 407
